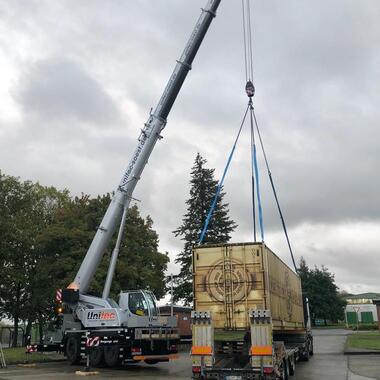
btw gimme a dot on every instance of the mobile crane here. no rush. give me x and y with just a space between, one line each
132 328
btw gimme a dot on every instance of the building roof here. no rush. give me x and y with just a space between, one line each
369 296
176 308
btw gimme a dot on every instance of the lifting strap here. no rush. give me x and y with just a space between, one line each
255 175
220 185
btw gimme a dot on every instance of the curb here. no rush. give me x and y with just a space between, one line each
36 362
361 352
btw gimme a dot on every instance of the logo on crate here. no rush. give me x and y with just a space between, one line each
229 279
101 316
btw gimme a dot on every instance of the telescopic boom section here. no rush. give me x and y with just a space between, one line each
146 142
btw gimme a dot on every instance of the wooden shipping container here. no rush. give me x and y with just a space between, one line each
231 279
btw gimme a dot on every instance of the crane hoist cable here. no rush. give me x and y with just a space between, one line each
250 91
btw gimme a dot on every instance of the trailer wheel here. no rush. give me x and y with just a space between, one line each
72 349
97 357
111 355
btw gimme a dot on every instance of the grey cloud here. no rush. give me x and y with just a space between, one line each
59 89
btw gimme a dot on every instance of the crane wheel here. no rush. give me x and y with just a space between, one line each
97 357
111 356
72 349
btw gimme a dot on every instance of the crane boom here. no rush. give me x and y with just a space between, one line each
146 142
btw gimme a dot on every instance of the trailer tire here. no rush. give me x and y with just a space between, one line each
111 356
72 349
97 357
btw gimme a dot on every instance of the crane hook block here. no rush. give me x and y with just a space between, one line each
250 89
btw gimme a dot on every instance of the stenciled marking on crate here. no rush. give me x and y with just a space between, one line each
230 276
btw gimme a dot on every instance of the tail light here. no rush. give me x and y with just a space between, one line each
268 370
136 351
173 348
196 369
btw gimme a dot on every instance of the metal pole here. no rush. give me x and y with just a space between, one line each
172 297
115 254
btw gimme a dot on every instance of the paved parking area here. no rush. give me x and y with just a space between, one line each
328 363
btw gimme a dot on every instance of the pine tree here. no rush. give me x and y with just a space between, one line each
202 191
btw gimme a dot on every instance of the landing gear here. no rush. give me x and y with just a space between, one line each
285 370
311 347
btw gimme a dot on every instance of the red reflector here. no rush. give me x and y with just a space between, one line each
268 369
196 369
136 350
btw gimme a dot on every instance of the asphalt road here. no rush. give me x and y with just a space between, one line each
328 363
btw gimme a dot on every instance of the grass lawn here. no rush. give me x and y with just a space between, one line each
17 355
368 340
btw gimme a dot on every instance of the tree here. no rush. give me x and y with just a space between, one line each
26 208
319 286
202 191
140 265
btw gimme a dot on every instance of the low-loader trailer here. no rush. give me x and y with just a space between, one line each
250 320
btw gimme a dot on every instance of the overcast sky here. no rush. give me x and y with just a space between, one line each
78 79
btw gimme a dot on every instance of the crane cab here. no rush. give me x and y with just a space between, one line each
140 307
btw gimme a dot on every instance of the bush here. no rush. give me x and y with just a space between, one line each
364 326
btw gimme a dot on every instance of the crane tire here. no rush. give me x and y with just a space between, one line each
97 357
72 349
111 356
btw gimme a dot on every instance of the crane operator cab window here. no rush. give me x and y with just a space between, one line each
137 304
152 304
